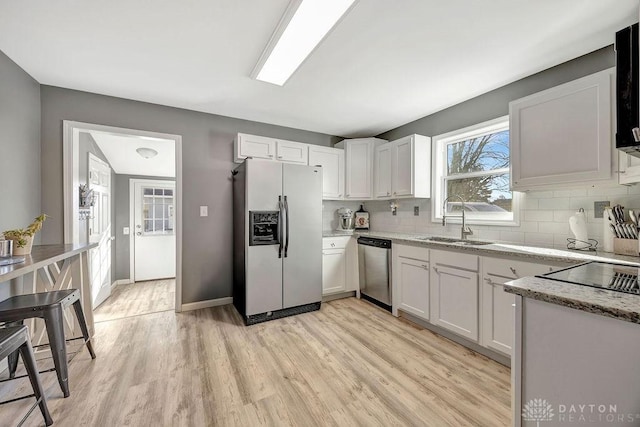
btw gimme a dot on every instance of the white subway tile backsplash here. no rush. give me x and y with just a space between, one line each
491 235
529 203
582 202
540 215
540 194
539 239
528 226
555 203
512 236
618 190
554 227
563 193
544 216
563 215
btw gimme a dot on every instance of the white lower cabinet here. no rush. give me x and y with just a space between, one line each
411 280
334 271
339 265
444 288
497 305
454 292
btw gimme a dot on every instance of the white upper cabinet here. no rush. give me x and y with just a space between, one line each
382 171
257 147
332 162
628 169
292 152
262 147
411 167
402 168
359 155
563 136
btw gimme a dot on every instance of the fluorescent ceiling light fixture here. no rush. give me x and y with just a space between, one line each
147 153
295 38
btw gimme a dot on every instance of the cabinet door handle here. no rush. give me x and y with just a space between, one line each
339 195
513 305
270 155
436 270
333 245
279 157
426 267
513 270
619 171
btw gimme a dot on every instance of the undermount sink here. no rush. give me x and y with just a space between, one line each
454 241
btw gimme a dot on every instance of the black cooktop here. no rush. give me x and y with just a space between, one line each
614 277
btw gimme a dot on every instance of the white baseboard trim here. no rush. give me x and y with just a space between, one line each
206 304
121 282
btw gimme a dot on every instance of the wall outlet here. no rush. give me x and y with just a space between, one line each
204 210
598 208
416 211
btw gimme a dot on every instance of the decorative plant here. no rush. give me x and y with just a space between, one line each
19 236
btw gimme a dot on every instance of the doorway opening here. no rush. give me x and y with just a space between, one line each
122 191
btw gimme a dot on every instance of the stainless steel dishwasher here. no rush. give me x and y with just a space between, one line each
374 261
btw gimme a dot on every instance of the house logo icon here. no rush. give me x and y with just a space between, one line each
537 410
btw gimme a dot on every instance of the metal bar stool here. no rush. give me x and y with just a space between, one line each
48 306
16 339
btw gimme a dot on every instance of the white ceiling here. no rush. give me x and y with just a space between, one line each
385 64
120 151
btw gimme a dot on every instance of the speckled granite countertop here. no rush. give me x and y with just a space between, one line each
497 249
617 305
613 304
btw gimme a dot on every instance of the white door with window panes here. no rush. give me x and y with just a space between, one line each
472 164
99 229
153 232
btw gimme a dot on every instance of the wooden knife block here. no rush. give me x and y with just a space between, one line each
625 246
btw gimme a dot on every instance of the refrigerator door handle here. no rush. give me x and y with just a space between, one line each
280 226
286 237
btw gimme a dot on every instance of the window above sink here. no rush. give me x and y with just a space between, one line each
473 163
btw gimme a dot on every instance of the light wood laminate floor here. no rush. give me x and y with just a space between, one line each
348 364
136 299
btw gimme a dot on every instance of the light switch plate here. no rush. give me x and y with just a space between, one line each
416 210
125 231
598 208
204 210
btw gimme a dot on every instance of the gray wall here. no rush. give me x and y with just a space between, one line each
120 250
19 149
496 103
207 163
19 146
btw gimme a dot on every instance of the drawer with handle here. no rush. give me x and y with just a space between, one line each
510 269
339 242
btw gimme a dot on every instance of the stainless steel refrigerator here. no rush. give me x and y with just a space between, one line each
277 210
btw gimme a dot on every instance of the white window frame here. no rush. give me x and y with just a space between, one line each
439 155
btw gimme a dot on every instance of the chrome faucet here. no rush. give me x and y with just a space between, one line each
465 230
